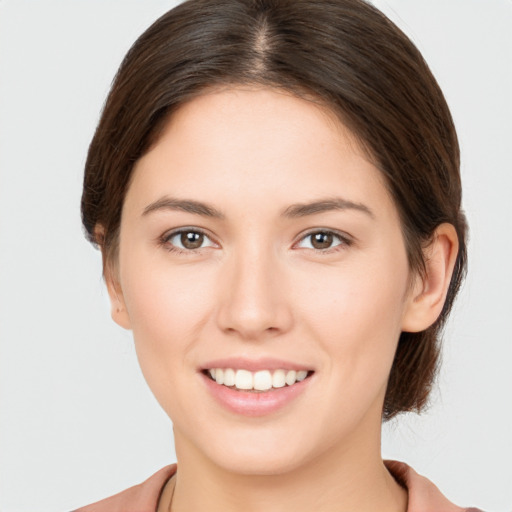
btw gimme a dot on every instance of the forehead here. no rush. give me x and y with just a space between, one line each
258 114
256 144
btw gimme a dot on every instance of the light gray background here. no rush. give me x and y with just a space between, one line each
77 422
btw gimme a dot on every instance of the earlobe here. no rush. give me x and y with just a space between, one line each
117 305
426 300
118 309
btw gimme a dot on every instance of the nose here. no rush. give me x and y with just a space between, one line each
254 303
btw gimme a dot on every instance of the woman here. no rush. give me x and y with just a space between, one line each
274 186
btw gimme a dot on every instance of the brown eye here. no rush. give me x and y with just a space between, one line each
324 240
187 240
321 240
191 240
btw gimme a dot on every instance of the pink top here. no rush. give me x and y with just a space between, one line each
424 496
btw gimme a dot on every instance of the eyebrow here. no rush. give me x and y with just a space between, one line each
293 211
325 205
186 205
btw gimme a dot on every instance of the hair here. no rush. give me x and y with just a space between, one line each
347 56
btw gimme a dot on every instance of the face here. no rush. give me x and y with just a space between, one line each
258 241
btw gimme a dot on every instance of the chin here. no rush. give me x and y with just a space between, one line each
260 462
253 451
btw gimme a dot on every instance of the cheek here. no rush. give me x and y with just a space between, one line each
165 302
167 307
356 313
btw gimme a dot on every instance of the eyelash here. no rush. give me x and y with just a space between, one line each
345 240
164 241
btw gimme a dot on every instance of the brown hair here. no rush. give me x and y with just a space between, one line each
344 53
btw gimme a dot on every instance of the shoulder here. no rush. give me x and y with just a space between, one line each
424 496
139 498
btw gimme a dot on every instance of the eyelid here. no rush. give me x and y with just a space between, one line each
165 237
345 238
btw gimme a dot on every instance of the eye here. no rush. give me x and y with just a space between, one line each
185 240
323 240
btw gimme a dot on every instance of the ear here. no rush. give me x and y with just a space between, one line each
118 309
426 299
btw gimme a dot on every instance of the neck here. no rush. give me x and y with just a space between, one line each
342 480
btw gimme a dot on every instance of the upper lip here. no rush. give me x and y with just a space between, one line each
254 365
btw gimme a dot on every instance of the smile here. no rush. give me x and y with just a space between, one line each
262 380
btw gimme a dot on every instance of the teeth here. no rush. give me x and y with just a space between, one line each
262 380
229 377
301 375
279 379
243 380
291 377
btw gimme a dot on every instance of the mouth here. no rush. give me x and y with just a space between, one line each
260 381
256 387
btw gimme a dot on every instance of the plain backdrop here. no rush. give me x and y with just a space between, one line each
77 421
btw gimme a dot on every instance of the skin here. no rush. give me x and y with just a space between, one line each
259 288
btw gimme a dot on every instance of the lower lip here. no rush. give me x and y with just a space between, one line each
248 403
